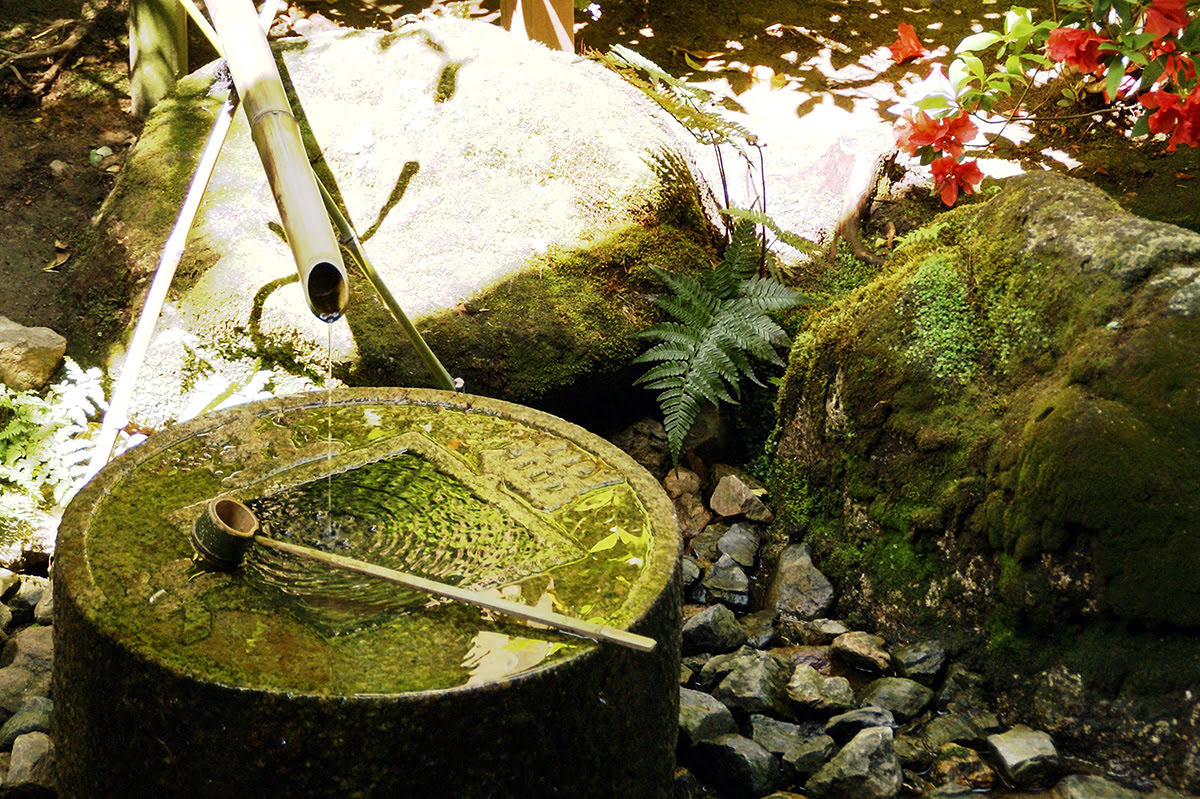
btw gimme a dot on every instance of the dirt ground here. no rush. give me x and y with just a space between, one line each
54 172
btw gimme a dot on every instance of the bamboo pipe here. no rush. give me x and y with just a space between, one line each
226 529
276 134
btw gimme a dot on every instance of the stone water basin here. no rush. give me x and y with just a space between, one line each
286 675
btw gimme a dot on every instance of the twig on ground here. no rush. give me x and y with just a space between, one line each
87 18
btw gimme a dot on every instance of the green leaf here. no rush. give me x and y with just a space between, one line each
1141 127
977 41
1152 72
1112 81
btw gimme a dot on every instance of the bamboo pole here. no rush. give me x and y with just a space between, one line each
117 415
276 135
551 22
157 51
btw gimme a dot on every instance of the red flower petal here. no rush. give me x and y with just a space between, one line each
907 45
1166 17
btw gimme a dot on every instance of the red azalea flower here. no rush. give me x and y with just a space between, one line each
908 45
1188 130
916 129
1177 67
1167 108
1165 17
949 176
1076 47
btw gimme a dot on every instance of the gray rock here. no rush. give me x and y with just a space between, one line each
646 442
740 542
845 726
714 629
717 667
1027 757
727 583
865 768
32 766
810 756
798 590
692 513
757 683
29 654
862 651
962 690
958 764
760 628
814 694
777 736
33 716
28 355
690 571
903 697
951 728
43 612
1078 786
735 496
29 592
704 545
8 582
922 661
913 753
951 791
809 632
701 717
736 765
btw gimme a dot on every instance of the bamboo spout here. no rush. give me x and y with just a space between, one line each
276 134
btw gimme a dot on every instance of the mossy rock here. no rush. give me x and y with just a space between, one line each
512 198
1019 386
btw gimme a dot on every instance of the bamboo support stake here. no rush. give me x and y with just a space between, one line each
551 22
117 415
157 51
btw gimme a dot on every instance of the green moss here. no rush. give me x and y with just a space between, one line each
946 331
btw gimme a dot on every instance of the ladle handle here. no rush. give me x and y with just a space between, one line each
587 629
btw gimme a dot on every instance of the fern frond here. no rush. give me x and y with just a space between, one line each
769 295
794 240
743 252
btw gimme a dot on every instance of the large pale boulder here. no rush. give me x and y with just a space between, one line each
511 198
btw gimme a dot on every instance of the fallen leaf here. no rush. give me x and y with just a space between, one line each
1183 176
59 259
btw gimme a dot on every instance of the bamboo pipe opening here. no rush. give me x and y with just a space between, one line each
327 291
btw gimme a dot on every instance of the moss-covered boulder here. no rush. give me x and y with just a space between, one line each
511 198
1022 380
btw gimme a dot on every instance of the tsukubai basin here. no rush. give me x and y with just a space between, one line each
285 677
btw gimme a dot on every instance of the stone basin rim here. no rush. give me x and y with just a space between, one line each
74 578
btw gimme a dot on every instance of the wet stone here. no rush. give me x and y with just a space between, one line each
1079 786
903 697
33 716
691 572
680 481
865 768
815 656
810 632
740 542
727 583
798 589
757 683
845 726
714 629
922 661
29 655
814 694
43 612
717 667
701 717
32 767
951 728
28 593
737 766
809 756
760 628
862 651
912 752
704 544
734 496
693 516
951 791
962 689
1027 757
957 764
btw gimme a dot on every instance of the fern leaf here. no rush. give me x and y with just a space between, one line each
769 295
787 237
742 254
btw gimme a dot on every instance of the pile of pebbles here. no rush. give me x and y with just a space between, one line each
785 702
26 751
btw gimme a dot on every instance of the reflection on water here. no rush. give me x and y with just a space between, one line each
494 656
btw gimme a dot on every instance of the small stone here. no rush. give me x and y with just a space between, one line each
760 628
810 756
717 667
32 766
963 766
912 752
815 656
727 583
1027 757
704 545
714 629
43 612
814 694
922 661
951 728
757 683
814 631
28 355
862 651
59 168
903 697
961 690
8 582
681 481
1079 786
29 655
740 542
33 716
798 590
693 516
690 572
701 717
865 768
29 592
737 766
733 496
951 791
848 724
